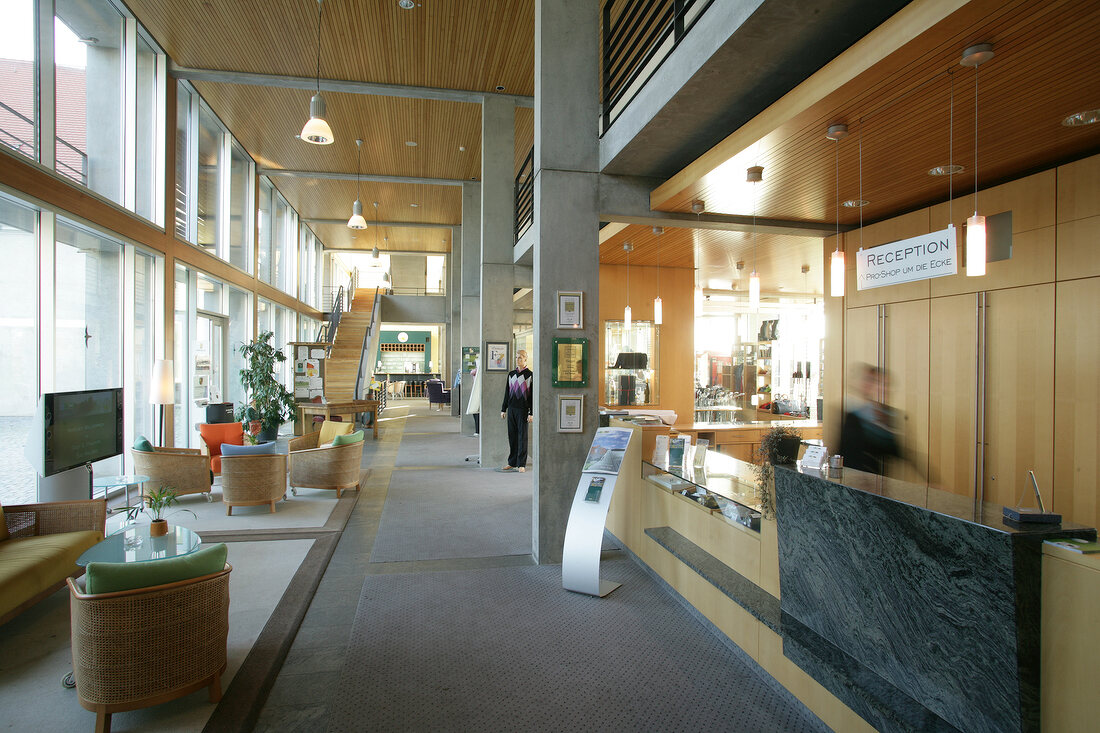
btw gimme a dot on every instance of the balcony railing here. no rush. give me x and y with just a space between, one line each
525 196
637 36
26 147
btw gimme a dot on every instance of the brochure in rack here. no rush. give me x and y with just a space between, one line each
606 453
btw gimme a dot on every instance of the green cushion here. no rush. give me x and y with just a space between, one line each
356 437
142 444
269 447
108 577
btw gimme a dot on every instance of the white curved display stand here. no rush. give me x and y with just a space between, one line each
580 563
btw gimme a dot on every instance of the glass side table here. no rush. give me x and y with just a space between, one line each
133 543
114 482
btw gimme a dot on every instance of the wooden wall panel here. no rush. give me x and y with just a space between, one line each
1032 203
952 384
906 364
1076 399
1079 189
1019 423
832 373
1077 242
677 368
902 227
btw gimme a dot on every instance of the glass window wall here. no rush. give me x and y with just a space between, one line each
184 176
19 345
18 85
208 191
240 333
88 74
149 173
264 224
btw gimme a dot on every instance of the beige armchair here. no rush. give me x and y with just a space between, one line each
253 480
142 647
184 470
335 467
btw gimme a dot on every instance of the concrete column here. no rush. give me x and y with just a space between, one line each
470 327
497 233
454 314
566 249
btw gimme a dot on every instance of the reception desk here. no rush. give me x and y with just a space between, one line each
881 605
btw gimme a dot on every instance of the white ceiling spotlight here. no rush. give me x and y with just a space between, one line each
697 206
406 4
316 129
1080 119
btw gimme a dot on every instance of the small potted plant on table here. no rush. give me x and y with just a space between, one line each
156 502
270 403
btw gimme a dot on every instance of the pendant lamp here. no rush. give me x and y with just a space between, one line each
657 306
316 129
975 225
836 133
755 174
357 221
628 248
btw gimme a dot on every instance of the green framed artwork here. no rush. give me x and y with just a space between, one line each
569 362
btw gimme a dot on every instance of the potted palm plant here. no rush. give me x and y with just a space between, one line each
156 502
270 403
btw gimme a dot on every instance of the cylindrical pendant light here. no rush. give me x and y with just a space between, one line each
754 175
836 133
975 225
658 314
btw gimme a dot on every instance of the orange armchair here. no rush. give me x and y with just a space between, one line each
214 434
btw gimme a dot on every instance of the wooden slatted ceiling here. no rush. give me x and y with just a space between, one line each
266 120
1045 68
450 44
403 239
779 259
328 199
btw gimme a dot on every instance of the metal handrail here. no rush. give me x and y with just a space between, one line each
634 32
366 342
525 196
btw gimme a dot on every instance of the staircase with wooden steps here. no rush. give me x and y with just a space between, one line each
342 365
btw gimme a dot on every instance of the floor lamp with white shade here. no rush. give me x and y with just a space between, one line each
163 390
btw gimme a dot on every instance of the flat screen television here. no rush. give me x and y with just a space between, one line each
80 427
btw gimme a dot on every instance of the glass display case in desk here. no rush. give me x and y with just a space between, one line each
723 485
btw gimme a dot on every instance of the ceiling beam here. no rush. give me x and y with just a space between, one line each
721 222
394 224
381 251
374 178
338 85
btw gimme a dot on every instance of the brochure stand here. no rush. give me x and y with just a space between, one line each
580 564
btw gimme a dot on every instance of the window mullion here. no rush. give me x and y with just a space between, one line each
129 113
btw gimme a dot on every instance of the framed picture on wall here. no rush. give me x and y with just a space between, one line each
571 413
569 362
496 356
570 309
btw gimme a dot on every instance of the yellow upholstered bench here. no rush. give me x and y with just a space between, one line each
39 546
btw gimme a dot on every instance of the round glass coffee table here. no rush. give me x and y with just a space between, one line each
133 543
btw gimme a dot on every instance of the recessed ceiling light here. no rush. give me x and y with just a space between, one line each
500 87
414 205
697 206
1088 117
946 170
406 4
462 148
411 143
855 203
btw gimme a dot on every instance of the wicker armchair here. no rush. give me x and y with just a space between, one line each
184 470
336 467
253 480
142 647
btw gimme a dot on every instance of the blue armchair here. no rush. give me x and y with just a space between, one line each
437 394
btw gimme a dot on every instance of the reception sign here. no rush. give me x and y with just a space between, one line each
918 258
